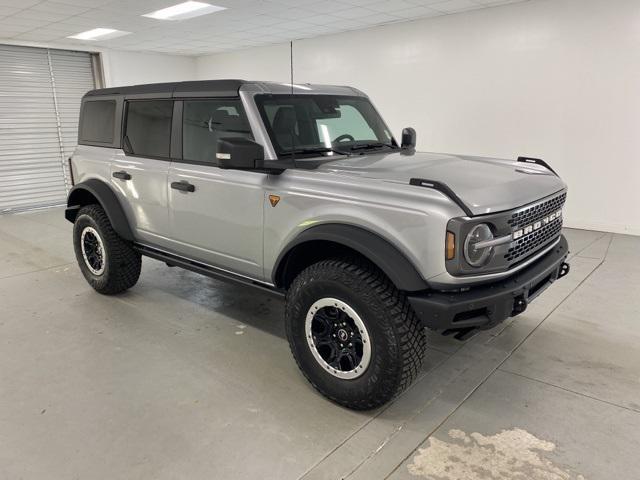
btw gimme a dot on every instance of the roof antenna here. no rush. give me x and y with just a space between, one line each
293 155
291 63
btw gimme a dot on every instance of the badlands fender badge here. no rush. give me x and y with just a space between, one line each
543 222
274 199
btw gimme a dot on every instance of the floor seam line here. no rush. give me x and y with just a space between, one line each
500 364
26 217
36 271
444 352
349 437
430 433
365 425
577 254
395 433
568 390
608 247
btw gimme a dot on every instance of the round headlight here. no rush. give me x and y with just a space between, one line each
474 255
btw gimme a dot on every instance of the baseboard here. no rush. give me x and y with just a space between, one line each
603 227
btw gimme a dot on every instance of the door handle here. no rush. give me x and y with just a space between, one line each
183 186
122 175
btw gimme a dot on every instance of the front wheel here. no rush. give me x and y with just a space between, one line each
352 333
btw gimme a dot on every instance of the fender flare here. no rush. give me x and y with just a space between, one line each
372 246
107 199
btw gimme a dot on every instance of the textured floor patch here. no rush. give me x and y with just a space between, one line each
508 455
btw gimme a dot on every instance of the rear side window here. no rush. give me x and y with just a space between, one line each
98 121
207 121
148 128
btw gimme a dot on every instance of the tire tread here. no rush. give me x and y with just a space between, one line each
402 321
125 263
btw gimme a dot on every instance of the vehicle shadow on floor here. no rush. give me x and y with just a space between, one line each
244 304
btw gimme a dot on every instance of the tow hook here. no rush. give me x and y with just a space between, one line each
564 269
462 334
519 306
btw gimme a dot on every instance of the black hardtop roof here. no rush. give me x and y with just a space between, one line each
218 88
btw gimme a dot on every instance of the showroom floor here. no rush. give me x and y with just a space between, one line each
186 377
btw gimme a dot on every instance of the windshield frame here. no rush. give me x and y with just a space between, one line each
288 154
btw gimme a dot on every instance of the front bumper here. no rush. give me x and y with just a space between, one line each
485 306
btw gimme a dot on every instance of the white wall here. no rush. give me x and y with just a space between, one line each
131 68
557 79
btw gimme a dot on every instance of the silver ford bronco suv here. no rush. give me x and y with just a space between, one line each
302 191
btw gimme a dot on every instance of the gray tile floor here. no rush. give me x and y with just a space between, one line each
187 377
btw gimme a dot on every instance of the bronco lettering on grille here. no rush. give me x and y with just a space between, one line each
536 225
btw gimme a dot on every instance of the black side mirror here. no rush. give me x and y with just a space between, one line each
239 154
408 138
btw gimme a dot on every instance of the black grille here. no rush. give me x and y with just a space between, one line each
529 215
527 244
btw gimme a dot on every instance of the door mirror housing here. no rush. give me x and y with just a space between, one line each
408 138
240 154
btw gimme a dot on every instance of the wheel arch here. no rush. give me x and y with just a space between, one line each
96 191
331 240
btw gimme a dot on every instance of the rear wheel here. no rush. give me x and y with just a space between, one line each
352 333
108 262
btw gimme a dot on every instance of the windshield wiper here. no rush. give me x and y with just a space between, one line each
315 150
369 146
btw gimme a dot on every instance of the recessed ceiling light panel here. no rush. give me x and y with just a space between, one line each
184 10
99 34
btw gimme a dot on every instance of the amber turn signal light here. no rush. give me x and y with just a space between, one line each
450 246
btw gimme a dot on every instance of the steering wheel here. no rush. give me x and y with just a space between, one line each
344 137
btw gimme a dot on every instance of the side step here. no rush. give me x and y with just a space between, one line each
204 269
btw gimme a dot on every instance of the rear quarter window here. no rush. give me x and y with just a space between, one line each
98 121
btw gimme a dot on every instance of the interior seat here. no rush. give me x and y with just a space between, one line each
284 127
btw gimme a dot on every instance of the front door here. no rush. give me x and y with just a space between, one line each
216 215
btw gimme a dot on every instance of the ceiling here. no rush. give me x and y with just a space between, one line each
244 23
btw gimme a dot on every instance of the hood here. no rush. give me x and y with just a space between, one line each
485 185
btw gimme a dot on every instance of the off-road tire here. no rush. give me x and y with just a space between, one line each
122 263
397 336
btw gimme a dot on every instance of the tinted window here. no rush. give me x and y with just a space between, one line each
350 121
148 127
315 122
206 121
98 121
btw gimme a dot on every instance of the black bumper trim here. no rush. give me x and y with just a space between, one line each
488 305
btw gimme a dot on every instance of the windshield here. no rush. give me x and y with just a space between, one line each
308 124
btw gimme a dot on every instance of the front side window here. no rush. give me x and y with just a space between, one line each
207 121
307 123
148 128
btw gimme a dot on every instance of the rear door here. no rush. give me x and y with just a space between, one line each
139 171
216 215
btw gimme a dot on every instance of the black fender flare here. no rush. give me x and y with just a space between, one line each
372 246
107 199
